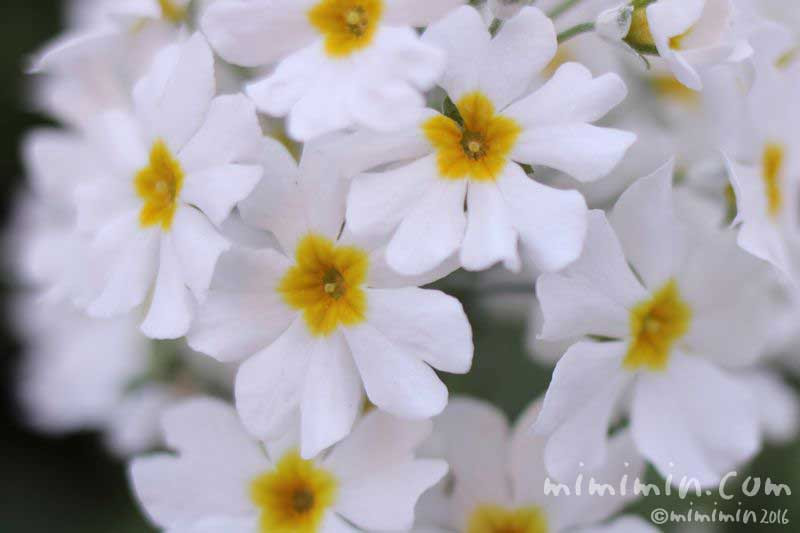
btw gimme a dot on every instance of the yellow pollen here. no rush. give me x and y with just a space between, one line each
294 496
772 167
480 149
656 324
496 519
326 284
171 11
346 25
158 185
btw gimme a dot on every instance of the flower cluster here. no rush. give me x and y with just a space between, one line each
229 244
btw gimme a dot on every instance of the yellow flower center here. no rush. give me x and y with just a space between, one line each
656 324
326 284
159 185
479 149
668 87
346 25
772 167
293 496
171 11
496 519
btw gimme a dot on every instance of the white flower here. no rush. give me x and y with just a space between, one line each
763 156
173 170
498 477
340 62
222 479
323 315
80 373
688 308
92 66
691 36
422 203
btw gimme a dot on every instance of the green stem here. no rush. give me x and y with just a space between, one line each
569 33
562 8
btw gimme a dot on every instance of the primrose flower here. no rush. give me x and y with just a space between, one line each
224 480
173 171
475 159
668 329
340 62
498 477
764 161
323 318
691 36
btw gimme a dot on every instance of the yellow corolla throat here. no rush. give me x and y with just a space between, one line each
294 496
668 88
172 11
656 325
326 284
346 25
772 161
159 185
496 519
479 149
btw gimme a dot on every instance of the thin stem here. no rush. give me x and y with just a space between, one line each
569 33
562 8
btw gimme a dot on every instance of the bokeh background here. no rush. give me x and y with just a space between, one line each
72 485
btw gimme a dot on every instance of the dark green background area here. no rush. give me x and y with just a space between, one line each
71 485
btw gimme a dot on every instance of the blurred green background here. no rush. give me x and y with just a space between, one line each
71 485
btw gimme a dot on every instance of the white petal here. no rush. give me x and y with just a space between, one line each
379 201
587 383
118 139
269 384
465 39
490 236
413 319
127 258
474 439
417 13
212 473
551 222
170 311
778 405
431 231
385 500
693 420
198 245
202 427
257 32
394 379
226 524
571 96
583 151
758 234
645 223
331 399
243 312
586 508
229 134
593 295
172 100
521 49
216 190
367 149
377 440
382 276
332 523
